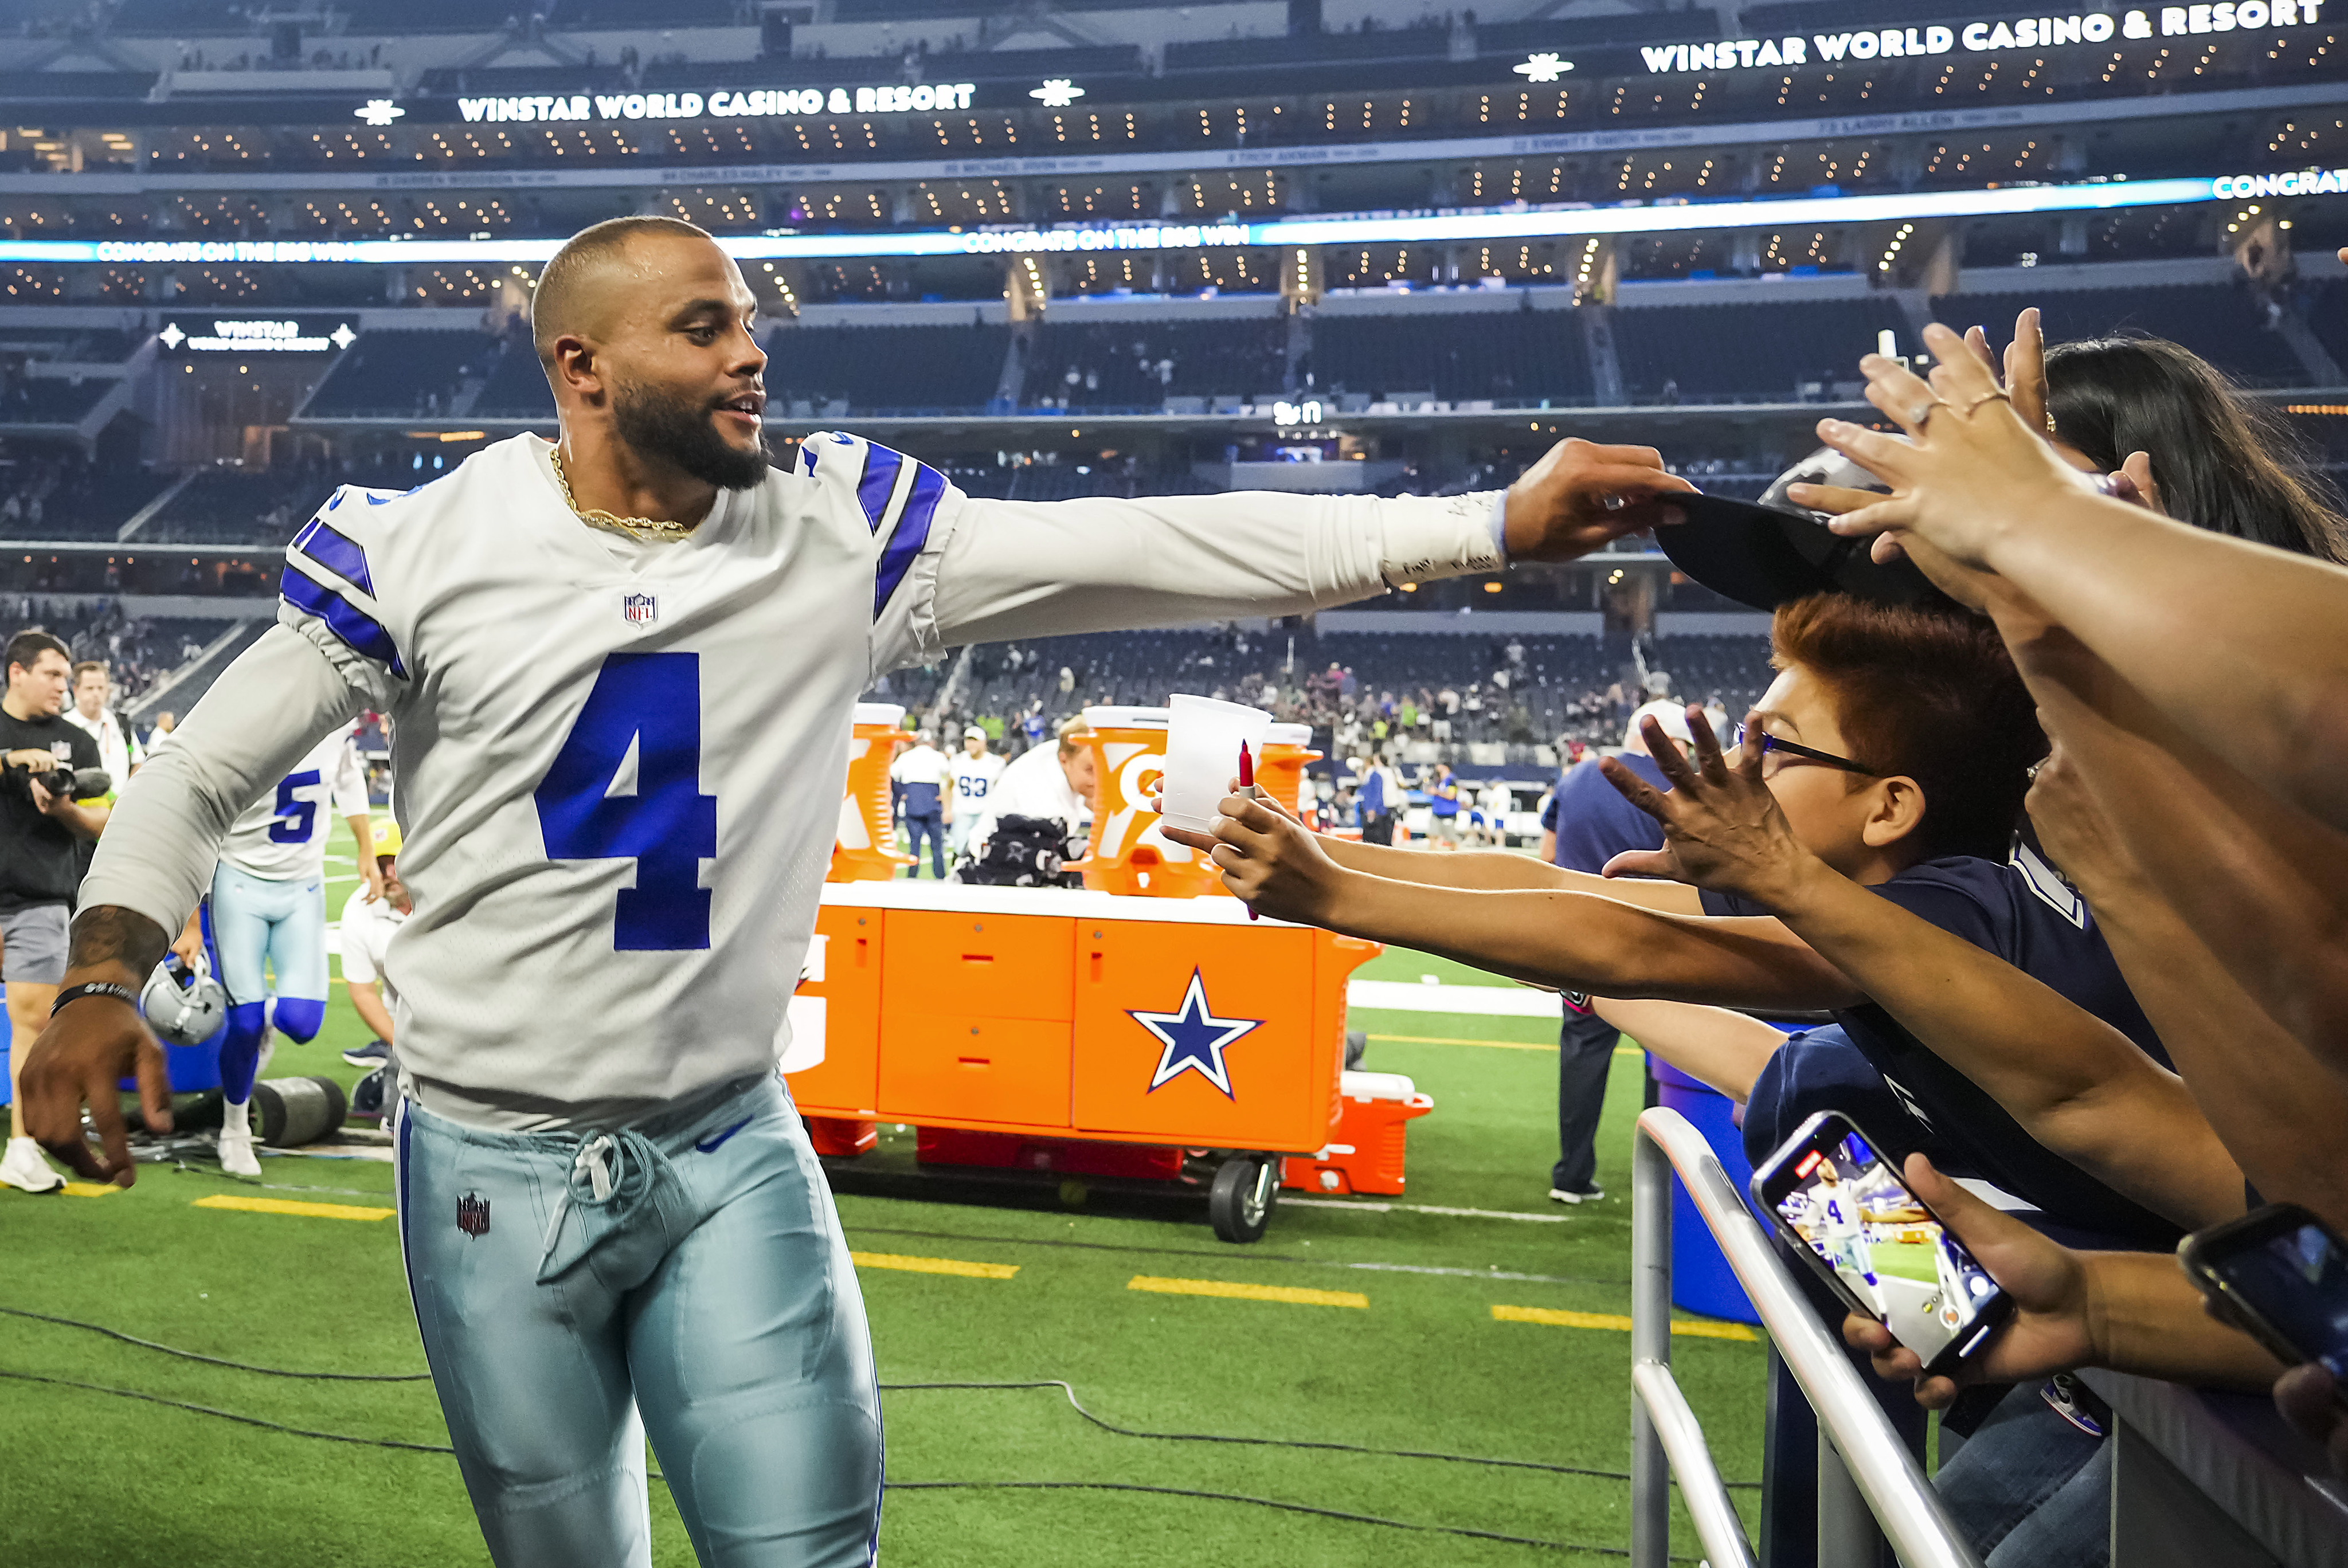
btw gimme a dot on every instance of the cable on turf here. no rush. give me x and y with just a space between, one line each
267 1425
1066 1389
216 1361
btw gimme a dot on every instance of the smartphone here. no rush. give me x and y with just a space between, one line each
1876 1244
2281 1274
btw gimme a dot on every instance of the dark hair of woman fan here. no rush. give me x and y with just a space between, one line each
2222 462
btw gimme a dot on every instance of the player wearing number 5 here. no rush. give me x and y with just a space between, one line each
268 916
622 671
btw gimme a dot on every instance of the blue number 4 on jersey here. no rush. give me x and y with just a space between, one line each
651 702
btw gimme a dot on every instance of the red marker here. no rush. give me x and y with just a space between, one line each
1247 782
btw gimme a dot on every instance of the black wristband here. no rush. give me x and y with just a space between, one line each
93 988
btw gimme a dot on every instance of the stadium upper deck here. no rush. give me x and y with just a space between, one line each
865 121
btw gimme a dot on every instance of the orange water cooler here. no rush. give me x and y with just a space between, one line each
1287 752
865 847
1126 853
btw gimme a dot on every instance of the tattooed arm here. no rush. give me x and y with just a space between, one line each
158 857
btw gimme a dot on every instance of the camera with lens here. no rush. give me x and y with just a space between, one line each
57 775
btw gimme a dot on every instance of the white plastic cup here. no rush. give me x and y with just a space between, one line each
1203 738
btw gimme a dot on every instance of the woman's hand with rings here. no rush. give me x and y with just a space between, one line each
1962 481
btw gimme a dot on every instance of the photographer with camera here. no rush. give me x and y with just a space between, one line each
51 802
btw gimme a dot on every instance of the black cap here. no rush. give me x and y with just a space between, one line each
1770 552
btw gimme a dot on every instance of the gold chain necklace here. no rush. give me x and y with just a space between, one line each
648 528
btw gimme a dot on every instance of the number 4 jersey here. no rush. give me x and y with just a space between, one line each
282 836
619 764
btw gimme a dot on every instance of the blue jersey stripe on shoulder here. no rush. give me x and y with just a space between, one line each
337 552
878 484
358 630
904 545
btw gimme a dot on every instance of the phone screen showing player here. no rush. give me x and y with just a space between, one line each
1889 1254
2289 1268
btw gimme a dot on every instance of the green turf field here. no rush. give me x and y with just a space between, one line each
97 1477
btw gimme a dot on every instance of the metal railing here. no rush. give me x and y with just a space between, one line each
1869 1487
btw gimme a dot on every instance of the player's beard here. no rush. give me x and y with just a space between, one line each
679 432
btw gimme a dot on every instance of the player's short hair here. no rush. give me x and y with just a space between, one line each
1073 732
84 667
1930 693
554 308
26 647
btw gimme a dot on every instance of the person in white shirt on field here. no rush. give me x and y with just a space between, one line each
369 922
1052 779
975 769
622 671
118 751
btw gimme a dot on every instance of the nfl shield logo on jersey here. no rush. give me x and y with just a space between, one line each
473 1214
639 608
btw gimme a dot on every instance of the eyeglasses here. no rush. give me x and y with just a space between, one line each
1792 750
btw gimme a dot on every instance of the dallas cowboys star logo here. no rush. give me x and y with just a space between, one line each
1194 1038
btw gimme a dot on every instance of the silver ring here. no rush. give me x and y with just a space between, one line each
1613 503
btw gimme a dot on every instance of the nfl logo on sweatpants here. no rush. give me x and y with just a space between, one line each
640 609
473 1214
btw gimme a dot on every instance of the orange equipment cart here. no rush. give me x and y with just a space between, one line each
1092 1033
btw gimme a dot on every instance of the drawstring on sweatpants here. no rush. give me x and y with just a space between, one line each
614 1170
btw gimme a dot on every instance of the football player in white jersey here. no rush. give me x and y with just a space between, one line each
975 771
1834 1225
268 917
622 671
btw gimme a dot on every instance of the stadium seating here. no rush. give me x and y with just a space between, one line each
2222 323
2327 317
516 388
1744 352
1735 669
402 373
47 493
875 369
229 506
1508 357
1117 363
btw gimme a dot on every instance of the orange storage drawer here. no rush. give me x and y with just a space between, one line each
979 965
962 1068
844 1081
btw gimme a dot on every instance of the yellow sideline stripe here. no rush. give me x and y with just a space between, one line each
1290 1293
1557 1320
1495 1044
289 1206
1453 1039
91 1189
954 1266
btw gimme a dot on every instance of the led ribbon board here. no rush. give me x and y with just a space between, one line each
1489 224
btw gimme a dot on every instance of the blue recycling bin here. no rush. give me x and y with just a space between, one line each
1702 1280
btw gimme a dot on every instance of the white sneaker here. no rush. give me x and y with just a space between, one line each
236 1156
25 1169
1586 1195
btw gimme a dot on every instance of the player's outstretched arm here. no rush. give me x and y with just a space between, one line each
160 846
2077 1085
1025 569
